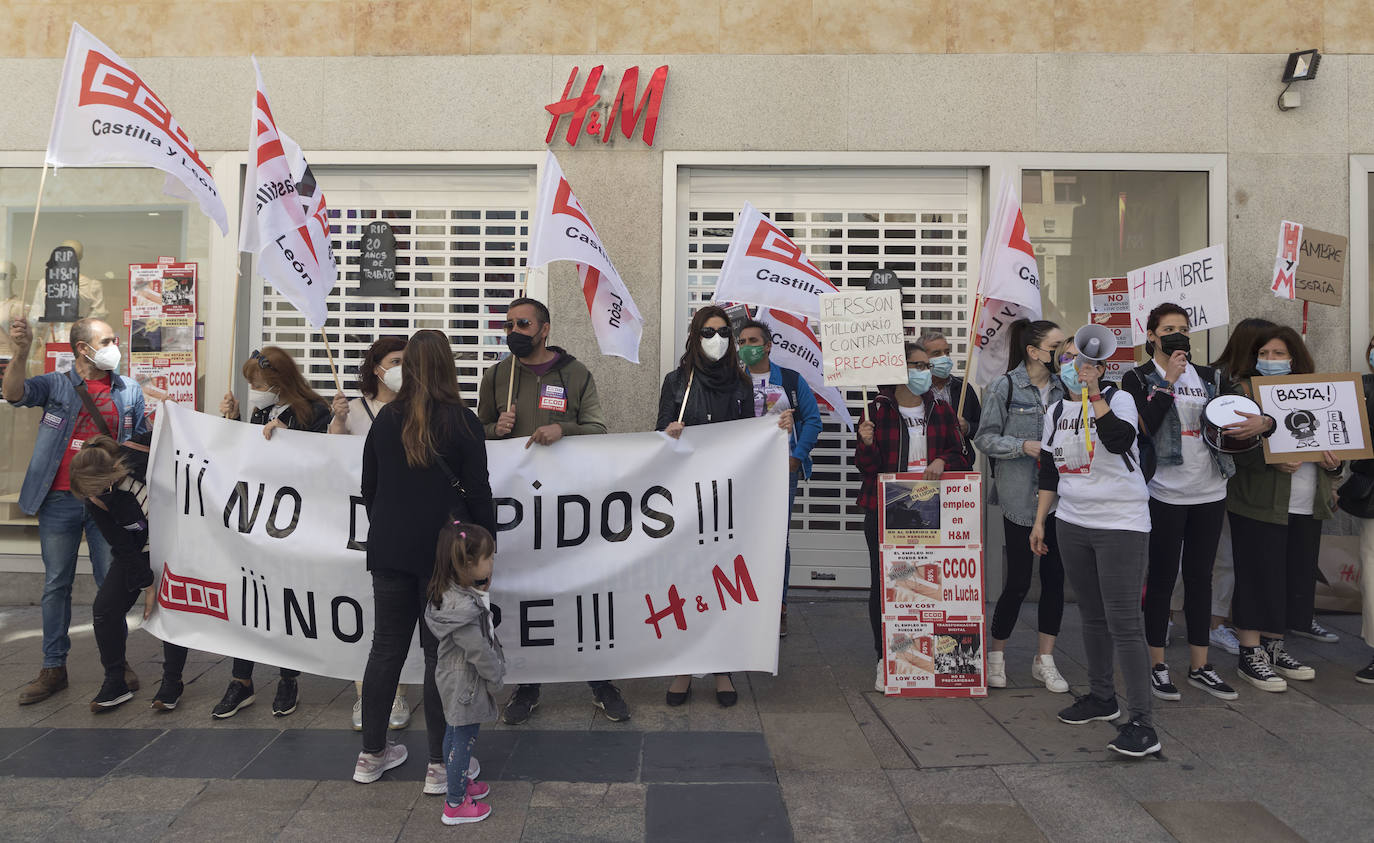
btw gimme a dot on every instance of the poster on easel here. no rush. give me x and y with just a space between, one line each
162 331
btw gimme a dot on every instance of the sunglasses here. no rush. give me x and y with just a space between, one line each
707 333
263 362
522 324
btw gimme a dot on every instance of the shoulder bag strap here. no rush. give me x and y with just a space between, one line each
89 403
368 407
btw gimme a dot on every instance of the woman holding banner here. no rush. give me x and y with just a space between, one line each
281 399
904 429
424 466
708 386
1009 433
379 379
1276 512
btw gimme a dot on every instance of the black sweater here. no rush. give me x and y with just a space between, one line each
407 506
704 404
124 521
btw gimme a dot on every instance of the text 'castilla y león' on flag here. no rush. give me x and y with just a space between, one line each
284 220
1009 284
107 114
764 267
562 232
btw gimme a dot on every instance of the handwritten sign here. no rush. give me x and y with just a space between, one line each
1195 282
377 262
61 286
1315 413
1320 274
861 338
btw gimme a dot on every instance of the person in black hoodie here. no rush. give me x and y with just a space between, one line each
708 386
424 466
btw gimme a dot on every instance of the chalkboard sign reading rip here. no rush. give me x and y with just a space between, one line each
61 286
377 264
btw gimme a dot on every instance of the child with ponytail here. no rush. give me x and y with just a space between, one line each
470 666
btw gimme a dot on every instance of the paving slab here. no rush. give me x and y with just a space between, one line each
76 752
690 813
585 812
950 786
218 812
361 825
857 807
14 739
817 742
949 732
958 823
1076 802
706 757
575 756
1031 717
509 803
1311 800
197 753
1220 822
886 748
812 691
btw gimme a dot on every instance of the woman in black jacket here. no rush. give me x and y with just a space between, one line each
708 386
424 464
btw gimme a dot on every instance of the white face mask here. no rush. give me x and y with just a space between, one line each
715 347
392 378
106 359
261 399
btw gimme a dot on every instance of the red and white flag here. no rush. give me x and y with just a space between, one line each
562 232
796 347
764 267
1009 283
284 221
105 114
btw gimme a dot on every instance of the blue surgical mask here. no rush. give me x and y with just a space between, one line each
1371 357
1272 368
918 381
1068 373
940 367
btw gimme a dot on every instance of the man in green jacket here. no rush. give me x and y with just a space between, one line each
541 392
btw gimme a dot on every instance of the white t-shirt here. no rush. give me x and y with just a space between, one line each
1303 490
1096 491
769 399
359 422
1197 480
915 420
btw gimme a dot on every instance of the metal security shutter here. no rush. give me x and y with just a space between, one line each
923 223
461 241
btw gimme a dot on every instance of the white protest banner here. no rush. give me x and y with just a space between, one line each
1315 413
106 114
1195 282
563 232
1008 285
284 220
862 341
795 347
619 556
944 512
930 657
1286 259
764 267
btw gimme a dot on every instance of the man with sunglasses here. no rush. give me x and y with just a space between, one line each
89 399
541 393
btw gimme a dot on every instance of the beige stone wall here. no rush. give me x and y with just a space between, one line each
462 27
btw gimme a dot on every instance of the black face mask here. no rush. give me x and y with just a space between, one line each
1169 343
521 345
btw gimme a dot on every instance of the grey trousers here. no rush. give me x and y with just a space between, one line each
1107 570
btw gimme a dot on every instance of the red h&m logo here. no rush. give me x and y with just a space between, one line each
184 594
105 81
623 106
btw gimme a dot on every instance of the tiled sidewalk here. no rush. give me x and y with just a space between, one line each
811 754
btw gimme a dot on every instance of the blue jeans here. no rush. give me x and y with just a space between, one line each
787 559
61 521
458 743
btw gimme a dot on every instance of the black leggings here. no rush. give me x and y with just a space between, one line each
1276 572
1194 531
398 600
875 580
112 602
1020 566
243 669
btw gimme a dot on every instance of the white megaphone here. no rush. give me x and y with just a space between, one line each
1095 342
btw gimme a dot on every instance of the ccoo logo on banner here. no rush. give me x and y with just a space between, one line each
620 556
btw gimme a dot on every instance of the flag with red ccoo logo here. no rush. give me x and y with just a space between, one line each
1008 283
763 266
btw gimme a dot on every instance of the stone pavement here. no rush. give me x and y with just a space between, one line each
811 754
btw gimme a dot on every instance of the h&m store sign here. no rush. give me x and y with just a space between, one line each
588 115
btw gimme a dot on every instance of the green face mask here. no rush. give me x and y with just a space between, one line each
751 354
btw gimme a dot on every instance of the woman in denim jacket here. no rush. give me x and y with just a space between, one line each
1009 434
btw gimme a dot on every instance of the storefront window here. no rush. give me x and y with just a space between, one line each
1088 224
1369 280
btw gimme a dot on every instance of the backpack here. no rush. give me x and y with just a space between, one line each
1145 444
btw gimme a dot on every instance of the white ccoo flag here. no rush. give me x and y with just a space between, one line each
106 115
562 232
1009 283
284 221
764 267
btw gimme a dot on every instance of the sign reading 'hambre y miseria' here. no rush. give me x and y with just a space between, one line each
1195 281
862 339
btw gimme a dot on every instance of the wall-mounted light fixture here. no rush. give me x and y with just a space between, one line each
1301 67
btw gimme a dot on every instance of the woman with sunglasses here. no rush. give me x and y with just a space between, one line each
905 429
1090 467
1009 433
708 386
281 400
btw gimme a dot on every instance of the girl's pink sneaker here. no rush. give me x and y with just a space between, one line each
478 790
468 812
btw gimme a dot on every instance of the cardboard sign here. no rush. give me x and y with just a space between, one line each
932 657
883 279
921 580
945 512
61 286
1315 413
377 260
1320 274
1195 282
1110 295
862 343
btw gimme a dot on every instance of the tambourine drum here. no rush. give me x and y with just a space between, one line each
1221 411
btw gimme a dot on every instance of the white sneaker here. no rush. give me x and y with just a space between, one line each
879 684
400 713
997 670
1224 638
1043 670
358 714
370 767
436 776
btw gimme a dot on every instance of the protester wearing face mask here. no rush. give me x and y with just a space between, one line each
281 400
708 386
90 399
947 386
1187 495
379 379
541 393
904 429
1366 469
1276 512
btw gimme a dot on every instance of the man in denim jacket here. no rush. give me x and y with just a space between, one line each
65 426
